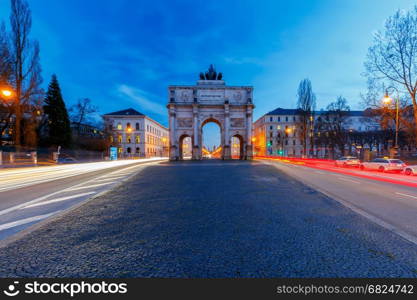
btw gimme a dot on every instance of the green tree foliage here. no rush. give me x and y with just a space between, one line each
57 129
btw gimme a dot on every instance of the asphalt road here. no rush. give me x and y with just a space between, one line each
30 195
210 219
392 205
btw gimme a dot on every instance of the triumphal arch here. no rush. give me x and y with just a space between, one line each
210 100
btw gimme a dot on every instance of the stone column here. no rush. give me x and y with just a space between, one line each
249 147
196 140
173 147
226 147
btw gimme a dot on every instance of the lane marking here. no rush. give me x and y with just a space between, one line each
349 180
109 178
320 172
406 195
59 199
25 221
88 186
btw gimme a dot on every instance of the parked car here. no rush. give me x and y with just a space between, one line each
346 161
383 165
66 160
410 170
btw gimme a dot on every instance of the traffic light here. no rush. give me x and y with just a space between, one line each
269 144
280 152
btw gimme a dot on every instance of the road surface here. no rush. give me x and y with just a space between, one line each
387 199
210 219
30 195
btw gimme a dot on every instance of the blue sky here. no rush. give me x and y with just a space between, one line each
125 53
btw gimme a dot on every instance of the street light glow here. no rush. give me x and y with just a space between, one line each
6 93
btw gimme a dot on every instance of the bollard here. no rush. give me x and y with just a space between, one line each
34 156
11 158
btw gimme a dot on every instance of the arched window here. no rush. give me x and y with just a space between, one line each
128 125
119 126
119 138
129 150
129 139
137 139
137 126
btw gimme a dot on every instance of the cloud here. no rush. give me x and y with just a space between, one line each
141 98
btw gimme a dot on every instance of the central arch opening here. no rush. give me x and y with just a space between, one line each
211 139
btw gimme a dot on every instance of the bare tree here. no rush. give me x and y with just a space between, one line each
5 78
306 104
331 126
392 59
80 113
25 63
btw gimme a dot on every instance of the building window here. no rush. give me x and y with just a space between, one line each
279 119
129 139
286 119
128 125
129 150
279 127
120 138
293 142
137 139
271 119
119 126
111 139
270 127
137 150
137 126
286 142
293 118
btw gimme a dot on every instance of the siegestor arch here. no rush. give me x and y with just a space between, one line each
220 124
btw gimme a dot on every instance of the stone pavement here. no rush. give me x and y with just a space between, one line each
210 219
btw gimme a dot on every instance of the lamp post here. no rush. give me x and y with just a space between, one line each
387 100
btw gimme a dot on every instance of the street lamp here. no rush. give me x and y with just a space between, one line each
6 93
387 100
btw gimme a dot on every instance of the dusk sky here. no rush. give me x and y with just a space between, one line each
125 53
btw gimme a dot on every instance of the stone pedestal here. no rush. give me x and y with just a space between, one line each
196 153
227 152
173 153
249 152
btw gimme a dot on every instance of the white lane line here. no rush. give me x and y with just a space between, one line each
59 199
345 179
25 221
406 195
88 186
108 178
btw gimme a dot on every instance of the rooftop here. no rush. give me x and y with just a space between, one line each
125 112
291 112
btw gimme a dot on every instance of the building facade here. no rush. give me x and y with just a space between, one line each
278 133
136 135
210 100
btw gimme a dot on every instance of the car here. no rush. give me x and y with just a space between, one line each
383 165
346 161
66 160
410 170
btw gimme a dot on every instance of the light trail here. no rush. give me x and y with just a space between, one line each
23 177
327 165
